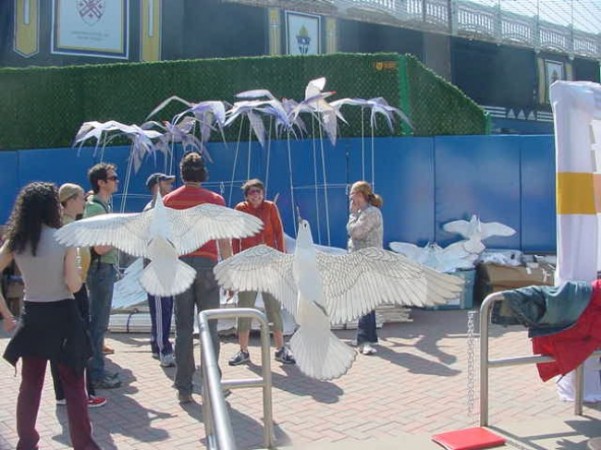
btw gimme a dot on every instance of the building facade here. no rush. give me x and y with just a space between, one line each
502 60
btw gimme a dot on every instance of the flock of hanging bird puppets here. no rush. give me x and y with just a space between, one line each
208 116
317 287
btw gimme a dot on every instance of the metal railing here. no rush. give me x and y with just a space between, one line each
218 426
486 363
463 18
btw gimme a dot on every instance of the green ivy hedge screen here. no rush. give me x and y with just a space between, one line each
43 107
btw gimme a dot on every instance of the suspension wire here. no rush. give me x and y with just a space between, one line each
169 160
127 180
229 200
268 156
362 143
315 177
373 159
292 203
325 184
250 128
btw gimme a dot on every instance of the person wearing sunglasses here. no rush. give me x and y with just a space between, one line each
72 200
271 235
102 273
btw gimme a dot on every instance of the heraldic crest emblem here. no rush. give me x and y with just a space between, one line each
91 11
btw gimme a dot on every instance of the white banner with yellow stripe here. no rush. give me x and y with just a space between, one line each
577 117
576 111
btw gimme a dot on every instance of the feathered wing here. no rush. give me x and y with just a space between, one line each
461 227
495 229
357 282
261 269
127 232
193 227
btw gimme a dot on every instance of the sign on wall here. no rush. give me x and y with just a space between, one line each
303 33
90 27
550 71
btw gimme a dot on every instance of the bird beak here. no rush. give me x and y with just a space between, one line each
299 218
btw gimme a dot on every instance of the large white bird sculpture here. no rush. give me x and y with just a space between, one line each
320 289
475 232
161 235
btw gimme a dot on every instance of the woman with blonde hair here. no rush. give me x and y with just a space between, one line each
51 328
72 199
365 228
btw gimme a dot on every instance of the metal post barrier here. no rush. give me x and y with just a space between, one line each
218 425
486 363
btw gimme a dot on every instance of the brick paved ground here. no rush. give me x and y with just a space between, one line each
416 384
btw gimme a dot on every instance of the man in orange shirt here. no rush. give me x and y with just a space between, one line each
272 235
204 292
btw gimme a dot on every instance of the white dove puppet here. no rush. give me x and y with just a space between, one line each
161 235
475 232
320 289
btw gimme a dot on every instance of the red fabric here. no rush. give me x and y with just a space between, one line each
469 439
188 196
272 233
573 346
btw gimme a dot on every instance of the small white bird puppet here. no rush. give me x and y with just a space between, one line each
161 235
475 232
447 259
320 289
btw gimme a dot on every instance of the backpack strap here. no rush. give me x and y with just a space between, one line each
93 255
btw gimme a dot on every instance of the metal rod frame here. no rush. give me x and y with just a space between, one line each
486 363
218 425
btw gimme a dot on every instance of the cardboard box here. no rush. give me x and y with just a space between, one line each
492 277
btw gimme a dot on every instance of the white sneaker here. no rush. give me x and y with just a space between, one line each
167 360
367 349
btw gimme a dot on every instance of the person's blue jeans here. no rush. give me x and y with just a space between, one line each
366 329
100 282
204 294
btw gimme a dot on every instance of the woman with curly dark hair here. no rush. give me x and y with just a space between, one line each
51 328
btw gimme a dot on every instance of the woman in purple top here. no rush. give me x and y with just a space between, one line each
51 328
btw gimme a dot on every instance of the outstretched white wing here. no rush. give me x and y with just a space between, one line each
461 227
127 232
495 229
356 283
261 269
193 227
